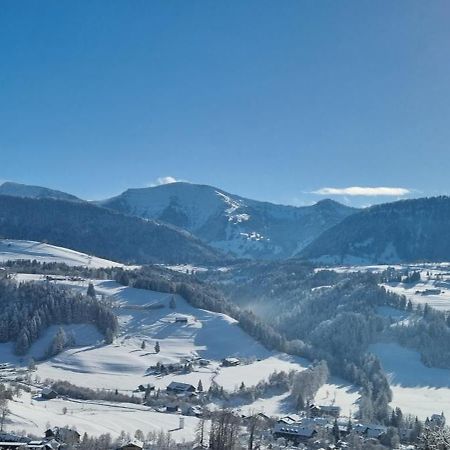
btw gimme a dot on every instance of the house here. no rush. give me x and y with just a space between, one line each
333 411
180 388
172 408
370 431
133 445
12 445
230 362
65 435
295 433
290 420
44 445
195 410
181 319
149 387
48 393
314 411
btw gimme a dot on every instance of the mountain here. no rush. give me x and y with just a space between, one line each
403 231
87 228
243 227
24 190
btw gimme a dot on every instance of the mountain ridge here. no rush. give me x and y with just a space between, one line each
402 231
29 191
231 223
99 231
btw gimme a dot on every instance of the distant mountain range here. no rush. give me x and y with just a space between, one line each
403 231
99 231
230 223
183 222
26 191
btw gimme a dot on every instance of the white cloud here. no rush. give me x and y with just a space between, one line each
164 180
364 191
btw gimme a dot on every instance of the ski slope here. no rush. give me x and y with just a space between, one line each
124 365
12 250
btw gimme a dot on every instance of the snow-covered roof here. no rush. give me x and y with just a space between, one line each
177 386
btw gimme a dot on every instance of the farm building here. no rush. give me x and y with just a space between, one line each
133 445
180 388
230 362
48 393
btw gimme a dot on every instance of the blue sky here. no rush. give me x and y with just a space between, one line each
287 101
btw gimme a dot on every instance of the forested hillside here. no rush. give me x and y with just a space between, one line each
404 231
88 228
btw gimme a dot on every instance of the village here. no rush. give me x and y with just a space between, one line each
315 427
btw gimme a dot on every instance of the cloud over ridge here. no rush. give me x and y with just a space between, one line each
364 191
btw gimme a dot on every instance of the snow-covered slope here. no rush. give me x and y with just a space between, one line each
124 365
24 190
417 389
11 250
244 227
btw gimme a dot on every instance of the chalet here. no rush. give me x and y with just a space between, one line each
261 417
149 387
294 433
11 441
12 445
315 421
369 430
290 420
314 411
133 445
329 410
172 408
230 362
195 410
65 435
48 393
181 319
169 368
180 388
43 445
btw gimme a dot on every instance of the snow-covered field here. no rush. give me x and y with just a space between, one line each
417 292
417 389
33 416
434 276
124 365
11 250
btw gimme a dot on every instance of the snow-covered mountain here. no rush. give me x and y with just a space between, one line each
246 228
24 190
404 231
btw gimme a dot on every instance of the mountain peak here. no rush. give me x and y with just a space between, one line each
231 223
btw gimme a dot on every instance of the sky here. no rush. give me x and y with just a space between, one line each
285 101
